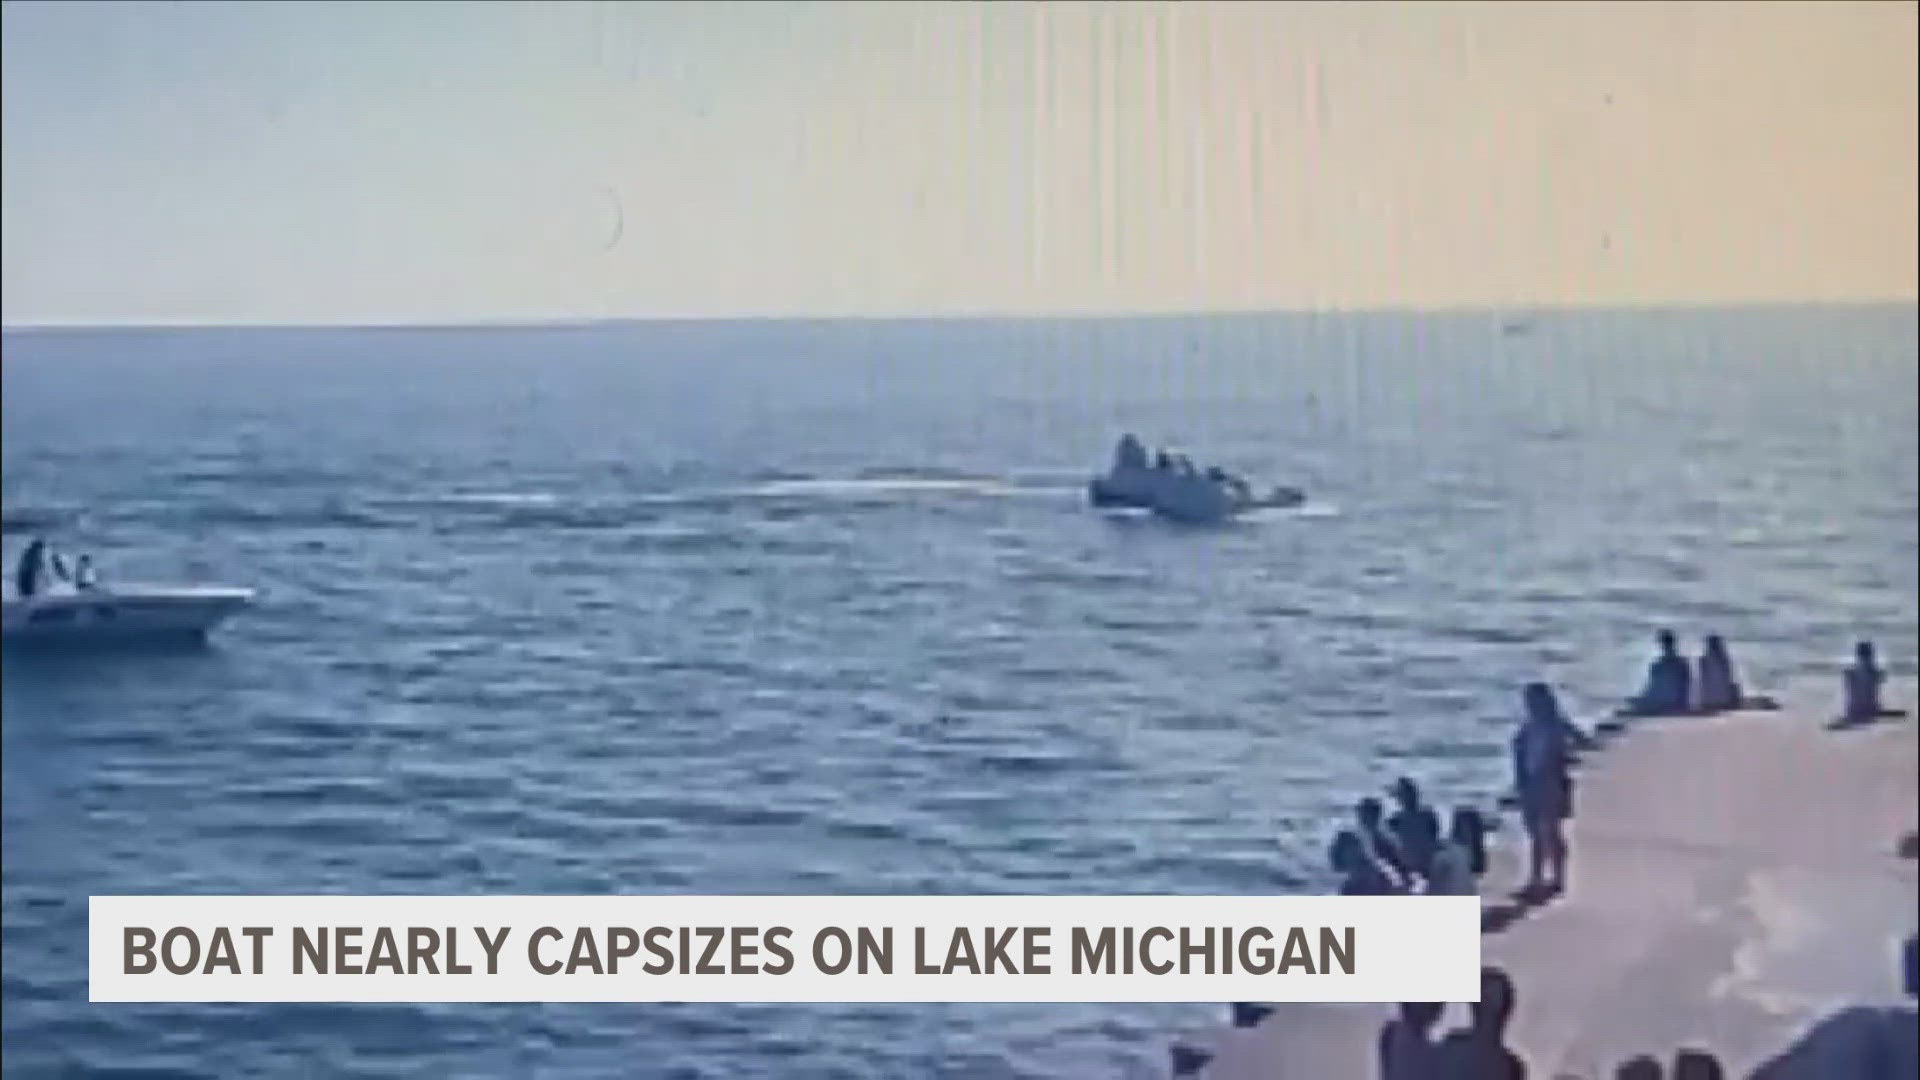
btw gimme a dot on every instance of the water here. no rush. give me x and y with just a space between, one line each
790 607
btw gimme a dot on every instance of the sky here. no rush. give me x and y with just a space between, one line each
394 162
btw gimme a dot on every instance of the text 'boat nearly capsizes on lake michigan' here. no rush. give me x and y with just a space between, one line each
1171 487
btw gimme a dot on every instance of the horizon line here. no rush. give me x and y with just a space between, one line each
556 322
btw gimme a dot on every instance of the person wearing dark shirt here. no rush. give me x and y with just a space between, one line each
1415 828
1479 1051
1716 690
31 569
1406 1043
1543 750
1693 1064
1359 874
1862 683
1669 689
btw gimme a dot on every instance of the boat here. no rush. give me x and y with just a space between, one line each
1170 486
121 614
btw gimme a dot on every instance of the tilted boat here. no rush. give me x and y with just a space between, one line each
1170 486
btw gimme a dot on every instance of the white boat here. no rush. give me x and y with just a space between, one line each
120 614
1171 487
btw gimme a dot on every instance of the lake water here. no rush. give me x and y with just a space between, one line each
819 607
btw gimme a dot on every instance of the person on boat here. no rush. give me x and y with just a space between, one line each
1669 689
1359 874
1371 817
1862 682
1162 462
1130 454
1415 828
85 578
1716 690
31 569
1543 779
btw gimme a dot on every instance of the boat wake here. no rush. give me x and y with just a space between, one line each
1304 510
766 494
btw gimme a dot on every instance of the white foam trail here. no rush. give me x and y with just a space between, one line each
1305 510
871 486
497 498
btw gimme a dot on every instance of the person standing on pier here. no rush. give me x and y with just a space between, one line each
1543 780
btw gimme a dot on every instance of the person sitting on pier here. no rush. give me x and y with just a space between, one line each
1406 1043
1716 690
1862 684
1669 689
1480 1050
1371 818
1360 875
1415 829
1542 778
1462 858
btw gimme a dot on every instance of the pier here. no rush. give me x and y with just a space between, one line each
1741 884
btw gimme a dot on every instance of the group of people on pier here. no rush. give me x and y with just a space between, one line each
1409 1049
1404 854
1405 851
1676 688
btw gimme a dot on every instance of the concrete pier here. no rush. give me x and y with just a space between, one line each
1735 882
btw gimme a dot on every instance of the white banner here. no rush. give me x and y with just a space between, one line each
784 948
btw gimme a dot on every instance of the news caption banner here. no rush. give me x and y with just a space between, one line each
783 948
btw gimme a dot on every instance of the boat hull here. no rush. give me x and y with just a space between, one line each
1190 500
101 617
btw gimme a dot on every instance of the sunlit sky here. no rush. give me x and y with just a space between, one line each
446 162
